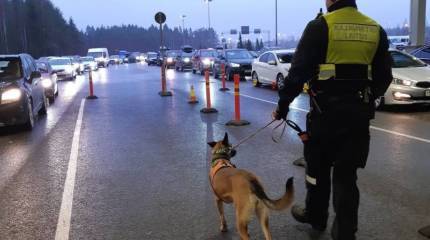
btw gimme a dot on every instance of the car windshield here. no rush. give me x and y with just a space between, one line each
114 57
171 54
152 55
87 59
401 60
60 61
285 57
185 54
10 69
96 54
209 54
238 55
43 67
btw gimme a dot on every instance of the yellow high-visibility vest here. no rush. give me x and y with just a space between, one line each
353 40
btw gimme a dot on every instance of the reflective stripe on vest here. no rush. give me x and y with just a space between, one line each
353 39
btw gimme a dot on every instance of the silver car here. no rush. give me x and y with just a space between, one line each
411 83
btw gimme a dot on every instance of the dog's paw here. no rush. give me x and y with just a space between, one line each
290 182
223 228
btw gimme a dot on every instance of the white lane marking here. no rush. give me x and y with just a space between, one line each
371 127
65 217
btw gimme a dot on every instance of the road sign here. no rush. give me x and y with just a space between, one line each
245 30
257 31
233 32
160 18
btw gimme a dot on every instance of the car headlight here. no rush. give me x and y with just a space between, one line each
10 96
235 65
187 60
398 81
46 83
169 60
207 62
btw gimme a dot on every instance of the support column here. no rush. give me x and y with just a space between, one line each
417 22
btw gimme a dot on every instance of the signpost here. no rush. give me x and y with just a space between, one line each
160 18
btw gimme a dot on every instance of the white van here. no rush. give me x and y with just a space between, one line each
101 55
399 42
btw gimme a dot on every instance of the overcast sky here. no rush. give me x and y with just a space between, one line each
225 14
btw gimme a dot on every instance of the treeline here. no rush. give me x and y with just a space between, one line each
135 38
402 31
36 27
39 28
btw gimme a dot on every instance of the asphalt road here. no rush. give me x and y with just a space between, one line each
141 164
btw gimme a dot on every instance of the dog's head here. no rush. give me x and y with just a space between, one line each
223 148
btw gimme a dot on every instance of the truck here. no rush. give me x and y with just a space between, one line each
101 55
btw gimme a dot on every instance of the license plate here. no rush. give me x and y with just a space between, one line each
428 93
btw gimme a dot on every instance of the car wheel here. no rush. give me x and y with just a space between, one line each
280 81
202 72
255 80
194 71
29 124
379 103
228 75
44 109
215 73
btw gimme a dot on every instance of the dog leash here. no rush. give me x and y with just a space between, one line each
253 135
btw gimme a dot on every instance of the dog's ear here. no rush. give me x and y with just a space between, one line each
225 141
212 144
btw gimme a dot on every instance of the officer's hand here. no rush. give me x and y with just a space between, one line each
278 114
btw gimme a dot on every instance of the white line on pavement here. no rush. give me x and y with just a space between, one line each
371 127
64 219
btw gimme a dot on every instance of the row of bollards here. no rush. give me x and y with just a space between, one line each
237 121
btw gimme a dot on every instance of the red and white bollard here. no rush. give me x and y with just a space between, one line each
208 108
224 88
91 85
237 120
164 92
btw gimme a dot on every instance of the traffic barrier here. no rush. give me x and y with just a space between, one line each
237 120
91 85
224 88
208 108
193 98
164 92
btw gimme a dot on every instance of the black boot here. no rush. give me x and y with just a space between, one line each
300 215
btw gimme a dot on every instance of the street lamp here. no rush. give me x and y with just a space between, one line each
183 16
209 12
276 22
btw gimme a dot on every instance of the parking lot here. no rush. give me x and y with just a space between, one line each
142 163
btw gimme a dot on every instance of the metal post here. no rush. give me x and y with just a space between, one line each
4 28
417 22
183 27
276 22
164 92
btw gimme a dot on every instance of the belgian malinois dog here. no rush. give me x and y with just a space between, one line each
243 190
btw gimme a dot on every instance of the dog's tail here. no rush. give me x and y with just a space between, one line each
280 204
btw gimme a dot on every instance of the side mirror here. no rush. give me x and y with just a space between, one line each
273 63
35 74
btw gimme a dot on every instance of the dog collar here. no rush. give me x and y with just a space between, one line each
222 153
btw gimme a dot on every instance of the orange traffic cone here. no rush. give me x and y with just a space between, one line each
193 98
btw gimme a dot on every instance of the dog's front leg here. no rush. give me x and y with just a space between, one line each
220 206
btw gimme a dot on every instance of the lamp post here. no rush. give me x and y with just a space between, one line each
183 16
276 22
209 13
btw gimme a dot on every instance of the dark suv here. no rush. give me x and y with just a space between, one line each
236 61
22 95
183 60
204 59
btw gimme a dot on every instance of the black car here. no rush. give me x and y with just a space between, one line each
183 60
49 80
422 53
171 58
22 95
236 61
152 58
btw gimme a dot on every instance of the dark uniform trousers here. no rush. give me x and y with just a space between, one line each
338 146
